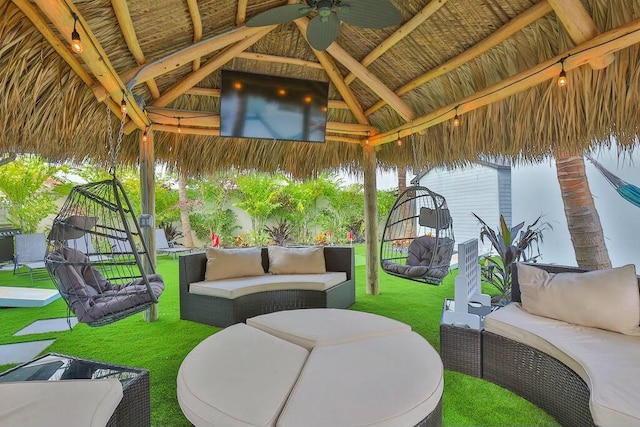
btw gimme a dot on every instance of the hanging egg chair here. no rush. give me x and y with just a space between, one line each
100 282
96 253
417 240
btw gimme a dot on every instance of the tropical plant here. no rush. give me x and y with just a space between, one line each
280 233
24 194
259 196
511 244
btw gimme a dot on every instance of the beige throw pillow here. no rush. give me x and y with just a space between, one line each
606 299
230 263
296 260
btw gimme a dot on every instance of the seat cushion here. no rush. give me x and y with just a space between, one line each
59 403
237 287
326 326
606 361
394 380
240 376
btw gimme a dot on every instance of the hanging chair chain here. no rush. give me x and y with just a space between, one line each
114 151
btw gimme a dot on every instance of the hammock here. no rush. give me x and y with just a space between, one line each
629 192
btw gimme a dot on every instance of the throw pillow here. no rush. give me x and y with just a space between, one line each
231 263
606 299
296 260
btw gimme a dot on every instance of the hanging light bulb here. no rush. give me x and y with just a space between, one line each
179 127
562 77
366 141
456 119
144 135
399 141
76 44
123 104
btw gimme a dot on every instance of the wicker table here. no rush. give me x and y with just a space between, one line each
133 411
461 347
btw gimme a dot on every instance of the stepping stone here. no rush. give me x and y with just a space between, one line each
48 325
23 352
26 297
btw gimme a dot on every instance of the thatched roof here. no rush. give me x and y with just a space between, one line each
493 62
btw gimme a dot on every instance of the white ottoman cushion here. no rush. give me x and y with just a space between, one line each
59 403
394 380
238 377
326 326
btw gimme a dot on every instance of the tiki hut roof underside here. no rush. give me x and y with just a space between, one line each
494 63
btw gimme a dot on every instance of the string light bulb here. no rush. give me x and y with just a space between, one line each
399 141
144 135
366 141
76 44
179 126
123 104
562 77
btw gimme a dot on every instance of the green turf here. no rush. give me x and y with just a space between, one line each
162 345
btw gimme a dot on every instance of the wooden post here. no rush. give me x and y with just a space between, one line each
371 220
148 206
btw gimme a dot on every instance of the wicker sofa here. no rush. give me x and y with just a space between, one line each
582 376
223 311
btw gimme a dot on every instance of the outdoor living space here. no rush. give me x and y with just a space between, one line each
384 213
161 346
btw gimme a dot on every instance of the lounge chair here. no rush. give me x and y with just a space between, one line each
30 250
163 247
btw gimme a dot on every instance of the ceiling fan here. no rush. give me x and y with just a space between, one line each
325 25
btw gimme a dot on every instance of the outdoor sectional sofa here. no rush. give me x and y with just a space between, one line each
581 375
314 277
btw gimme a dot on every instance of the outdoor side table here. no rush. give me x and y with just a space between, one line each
460 346
133 411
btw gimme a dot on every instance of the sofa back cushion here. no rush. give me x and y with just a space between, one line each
296 260
230 263
607 299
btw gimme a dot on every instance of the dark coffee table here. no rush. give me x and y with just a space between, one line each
133 410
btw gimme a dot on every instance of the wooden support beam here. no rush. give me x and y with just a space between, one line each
148 206
418 19
371 220
189 54
516 24
279 59
123 16
604 44
241 14
93 55
194 11
336 78
580 26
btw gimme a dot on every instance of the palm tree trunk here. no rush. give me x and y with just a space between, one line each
183 202
582 217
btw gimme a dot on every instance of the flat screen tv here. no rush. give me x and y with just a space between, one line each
270 107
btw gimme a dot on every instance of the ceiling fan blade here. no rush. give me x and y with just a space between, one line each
321 32
369 13
279 15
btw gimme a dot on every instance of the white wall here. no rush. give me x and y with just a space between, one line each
536 191
471 189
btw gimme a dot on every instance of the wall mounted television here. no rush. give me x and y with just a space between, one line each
271 107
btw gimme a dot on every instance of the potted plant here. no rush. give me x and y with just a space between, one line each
511 244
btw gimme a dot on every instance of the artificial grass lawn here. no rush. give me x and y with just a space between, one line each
162 345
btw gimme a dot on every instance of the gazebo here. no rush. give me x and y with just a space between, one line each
454 79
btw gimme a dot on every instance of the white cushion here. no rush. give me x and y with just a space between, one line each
326 326
607 299
606 361
394 380
237 287
296 260
239 376
228 263
59 403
